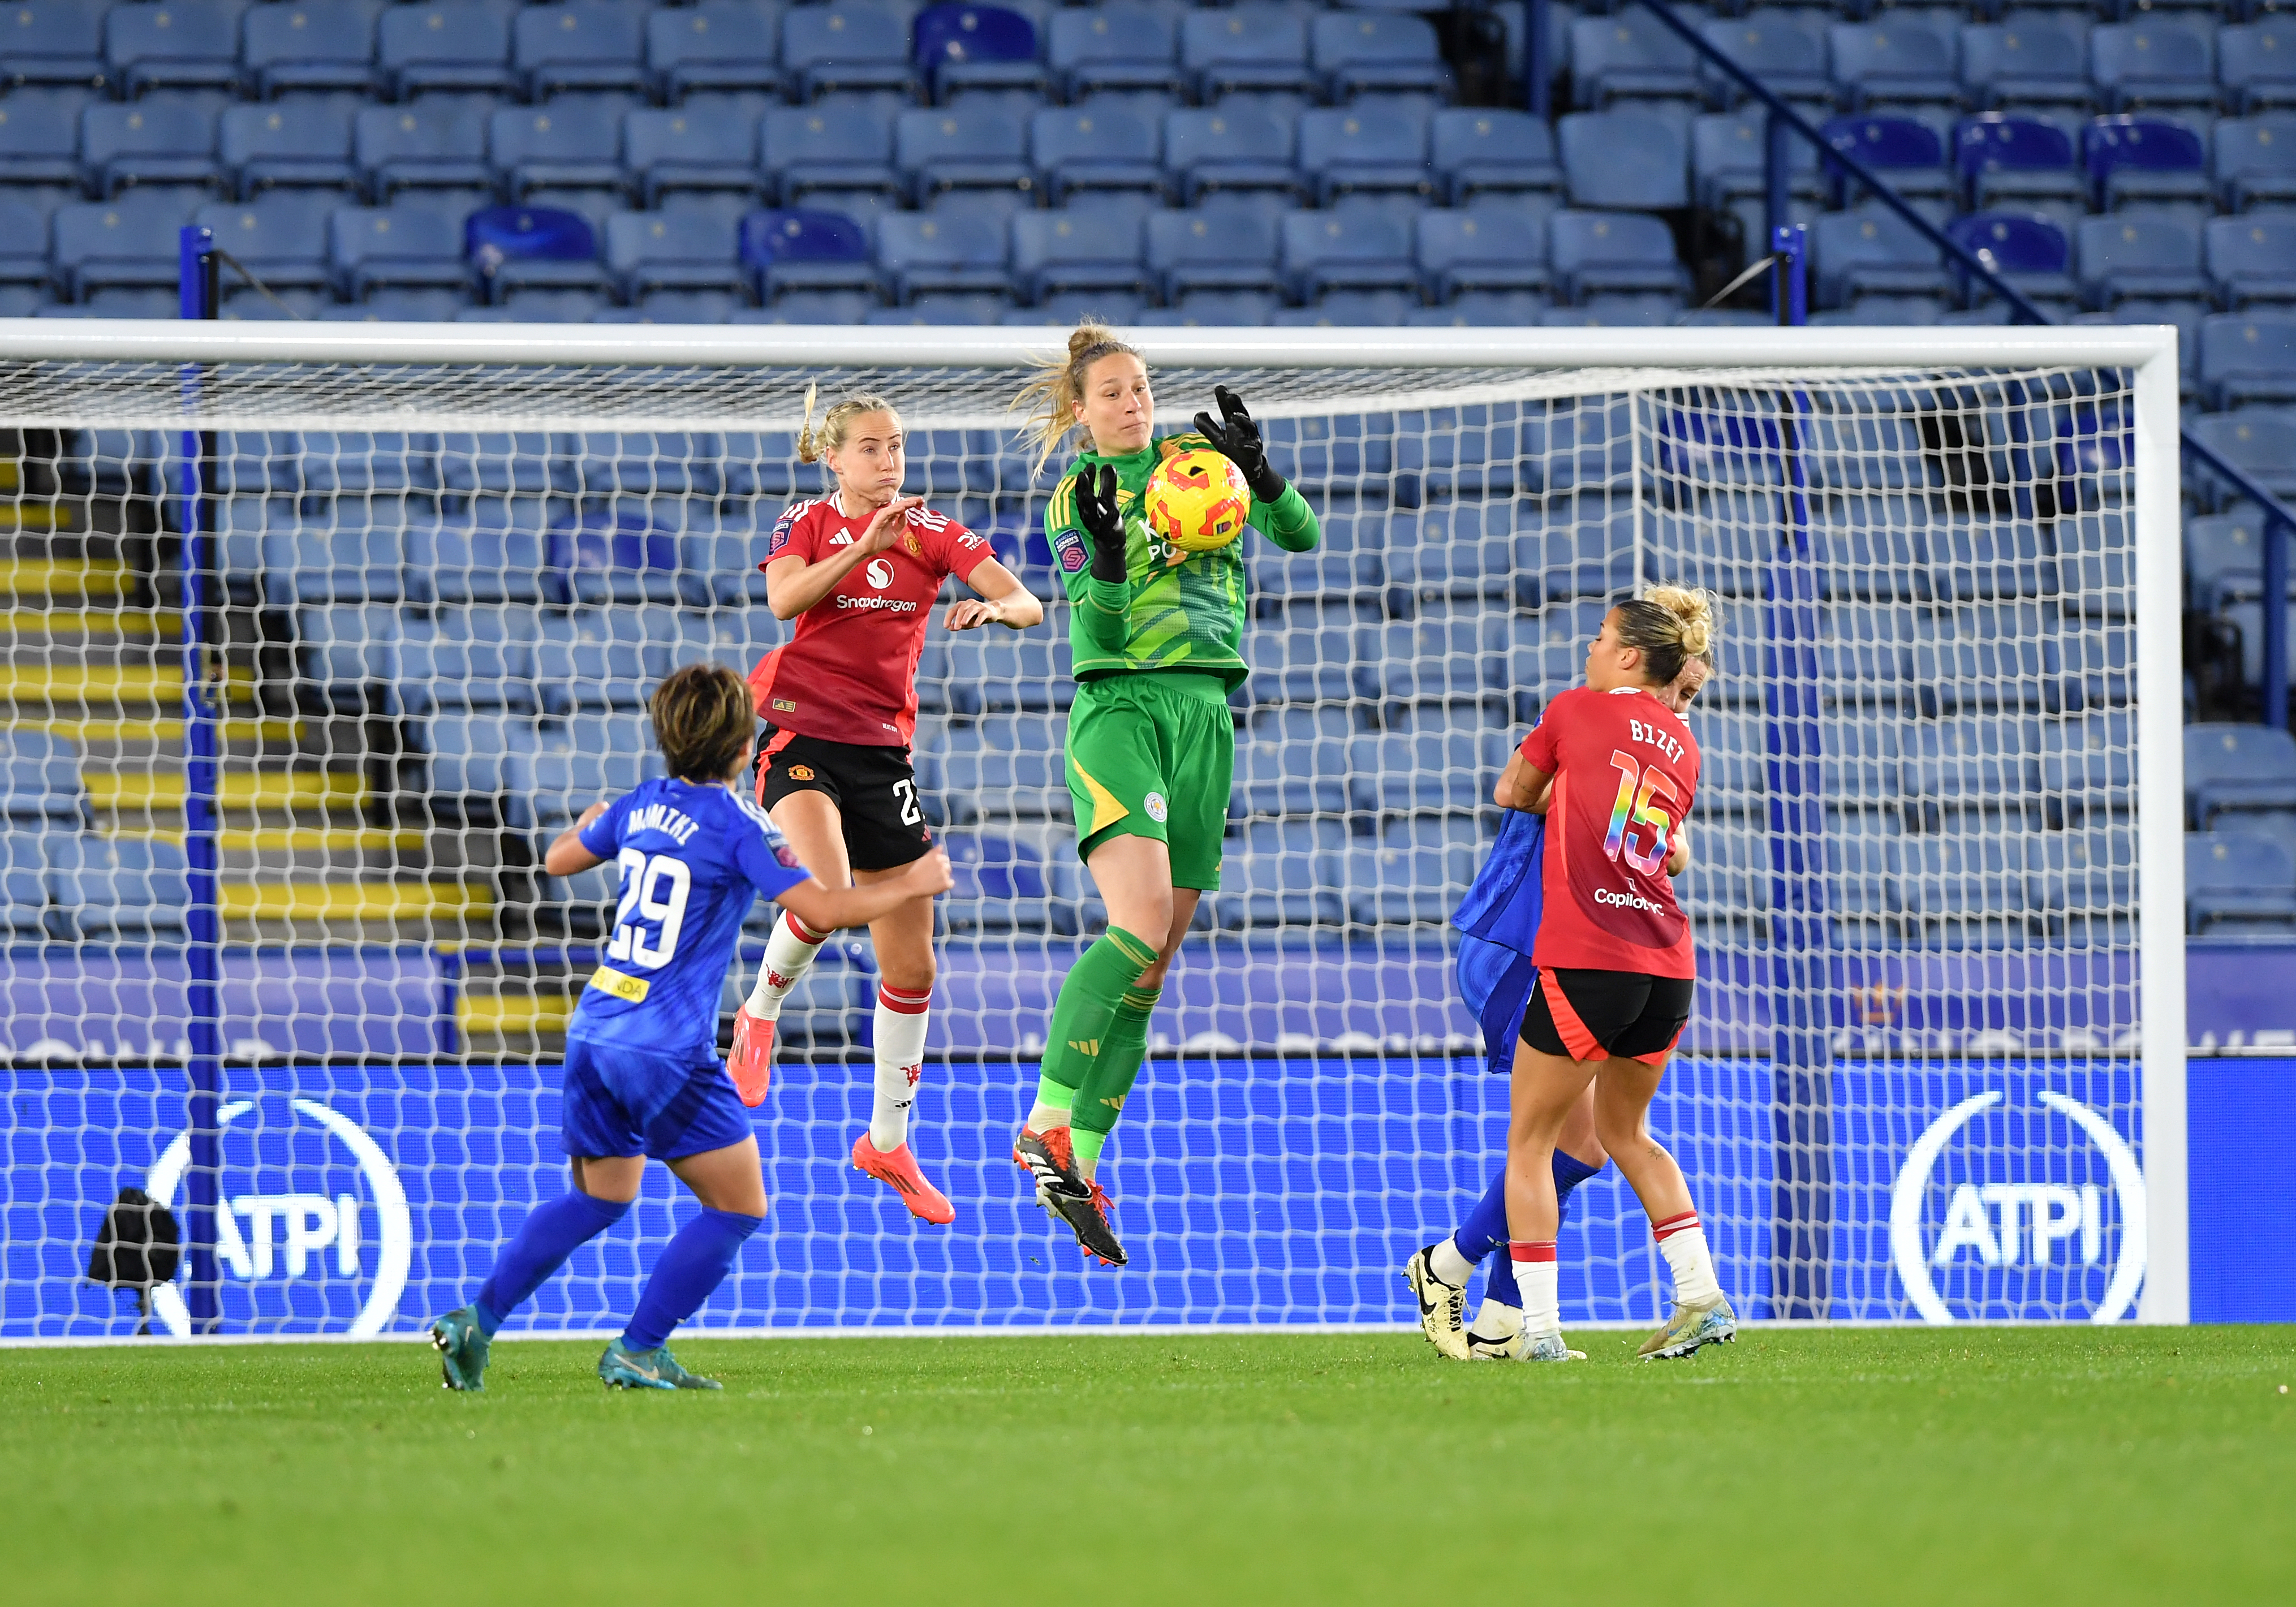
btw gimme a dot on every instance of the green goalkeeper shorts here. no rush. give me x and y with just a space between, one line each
1152 754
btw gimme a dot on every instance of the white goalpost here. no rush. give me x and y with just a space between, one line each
318 632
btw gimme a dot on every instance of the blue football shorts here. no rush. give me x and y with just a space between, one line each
628 1102
1497 983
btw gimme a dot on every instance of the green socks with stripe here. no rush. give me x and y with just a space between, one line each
1100 1099
1084 1013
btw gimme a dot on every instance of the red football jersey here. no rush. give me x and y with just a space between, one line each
849 673
1625 771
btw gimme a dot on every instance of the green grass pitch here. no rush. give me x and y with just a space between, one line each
1973 1465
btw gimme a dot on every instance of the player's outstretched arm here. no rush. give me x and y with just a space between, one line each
1003 600
1677 857
794 585
1278 511
1522 785
566 856
831 908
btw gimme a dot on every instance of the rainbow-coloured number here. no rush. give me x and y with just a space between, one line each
1634 808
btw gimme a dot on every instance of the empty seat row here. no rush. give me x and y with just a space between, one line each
60 884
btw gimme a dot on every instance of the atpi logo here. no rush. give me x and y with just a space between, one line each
305 1233
2005 1223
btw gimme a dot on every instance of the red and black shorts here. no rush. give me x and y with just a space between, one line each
1596 1014
874 790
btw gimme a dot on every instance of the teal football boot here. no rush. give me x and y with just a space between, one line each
1691 1327
462 1346
622 1368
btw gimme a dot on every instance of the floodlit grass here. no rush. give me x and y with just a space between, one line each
1975 1465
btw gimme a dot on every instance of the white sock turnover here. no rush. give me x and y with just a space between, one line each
789 953
1683 1242
900 1039
1447 1263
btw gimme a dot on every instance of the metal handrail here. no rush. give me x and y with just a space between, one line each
2277 517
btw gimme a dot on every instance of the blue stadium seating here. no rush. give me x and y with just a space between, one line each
1226 149
1497 247
1624 160
1191 252
2237 769
1776 47
2160 61
1336 251
290 143
673 152
921 252
1054 251
800 251
2248 357
1479 148
854 45
828 147
514 249
130 242
1894 61
2040 61
1361 52
596 45
649 251
102 889
39 137
1363 149
2139 256
1614 253
2144 158
53 43
1119 47
1629 56
2006 157
41 777
444 44
2030 252
1093 149
557 148
2261 442
962 48
961 148
421 147
317 46
1726 160
2238 883
2255 159
716 46
399 247
2252 258
1249 46
1280 873
280 238
2257 62
177 44
148 143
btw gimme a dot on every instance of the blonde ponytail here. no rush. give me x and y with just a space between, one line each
836 423
1050 396
1671 625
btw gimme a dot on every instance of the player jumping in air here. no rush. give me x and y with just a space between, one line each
859 569
1616 772
642 1071
1150 745
1498 924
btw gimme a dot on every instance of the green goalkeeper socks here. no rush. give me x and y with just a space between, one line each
1101 1098
1084 1012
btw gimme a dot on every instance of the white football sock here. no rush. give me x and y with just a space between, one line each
1538 1280
1447 1263
789 953
1683 1242
900 1039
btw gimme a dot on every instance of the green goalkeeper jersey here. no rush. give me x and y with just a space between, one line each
1174 609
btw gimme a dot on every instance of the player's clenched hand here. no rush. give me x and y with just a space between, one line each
1237 439
931 875
885 529
1096 511
969 611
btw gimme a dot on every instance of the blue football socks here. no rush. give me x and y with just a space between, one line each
695 1263
1485 1230
550 1233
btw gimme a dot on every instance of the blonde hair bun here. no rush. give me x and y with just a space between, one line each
1694 611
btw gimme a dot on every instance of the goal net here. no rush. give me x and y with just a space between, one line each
318 636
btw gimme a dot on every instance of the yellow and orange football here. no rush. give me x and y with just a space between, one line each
1197 500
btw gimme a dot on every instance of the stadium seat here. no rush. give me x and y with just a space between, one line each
1479 148
1002 673
1728 160
2256 160
1366 149
921 252
828 147
522 463
1124 48
1439 656
2029 251
492 552
558 148
421 147
1001 885
648 252
2256 61
467 658
39 778
459 46
2252 258
129 242
397 246
2238 881
2139 256
1894 62
656 463
1307 657
2144 159
1778 48
2224 559
590 47
1630 55
53 43
101 888
2160 61
718 46
1905 151
1053 251
854 45
962 47
1199 251
618 551
1294 761
289 143
39 136
2037 60
1628 161
514 248
148 143
2260 442
961 148
1226 149
1613 253
1003 767
2008 158
1280 873
1412 875
800 251
673 152
1094 149
280 238
174 44
313 45
1338 250
1250 46
1377 53
1501 247
2248 357
364 462
603 657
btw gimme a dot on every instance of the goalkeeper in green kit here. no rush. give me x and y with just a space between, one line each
1151 743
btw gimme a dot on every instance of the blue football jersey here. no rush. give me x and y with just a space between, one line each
693 859
1503 904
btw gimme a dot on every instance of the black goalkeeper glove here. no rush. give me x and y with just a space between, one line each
1237 439
1095 501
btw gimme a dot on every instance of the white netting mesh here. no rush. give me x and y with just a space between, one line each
440 594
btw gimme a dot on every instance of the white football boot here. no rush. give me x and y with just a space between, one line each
1442 1307
1491 1336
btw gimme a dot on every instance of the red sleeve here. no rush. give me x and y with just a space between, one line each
1539 747
793 534
961 551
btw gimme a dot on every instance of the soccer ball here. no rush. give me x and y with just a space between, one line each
1197 500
